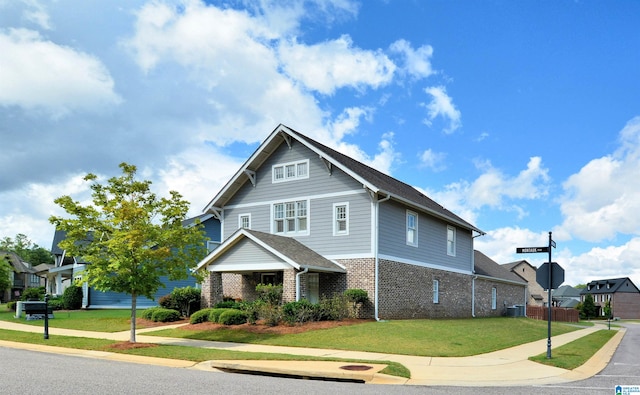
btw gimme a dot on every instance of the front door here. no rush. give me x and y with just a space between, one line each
313 285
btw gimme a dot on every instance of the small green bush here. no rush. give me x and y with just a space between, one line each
355 295
72 297
228 304
298 312
147 314
252 309
214 314
269 293
187 299
200 316
161 314
56 303
36 293
232 317
335 308
11 305
168 302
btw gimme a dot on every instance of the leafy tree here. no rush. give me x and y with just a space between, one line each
589 308
6 275
26 249
607 309
130 237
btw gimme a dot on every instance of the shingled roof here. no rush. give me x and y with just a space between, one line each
485 266
371 178
288 249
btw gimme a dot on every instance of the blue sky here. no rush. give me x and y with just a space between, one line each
522 117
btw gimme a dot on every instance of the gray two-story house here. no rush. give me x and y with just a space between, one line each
303 215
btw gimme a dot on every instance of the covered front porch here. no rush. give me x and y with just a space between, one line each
248 258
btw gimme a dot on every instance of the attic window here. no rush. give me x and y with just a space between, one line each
290 171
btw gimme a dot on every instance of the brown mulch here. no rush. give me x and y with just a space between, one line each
260 327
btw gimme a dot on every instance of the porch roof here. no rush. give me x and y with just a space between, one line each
288 251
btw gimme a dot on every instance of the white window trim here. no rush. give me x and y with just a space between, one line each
284 171
293 233
436 291
336 231
240 216
415 236
494 298
455 236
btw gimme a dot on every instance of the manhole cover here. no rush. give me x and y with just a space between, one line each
355 367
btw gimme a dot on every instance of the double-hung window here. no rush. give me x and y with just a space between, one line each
290 171
451 241
340 219
244 221
290 217
412 228
436 291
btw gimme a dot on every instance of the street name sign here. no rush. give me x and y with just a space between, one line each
525 250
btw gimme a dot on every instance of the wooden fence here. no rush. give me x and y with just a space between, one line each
557 313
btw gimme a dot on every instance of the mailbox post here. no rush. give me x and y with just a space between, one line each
46 317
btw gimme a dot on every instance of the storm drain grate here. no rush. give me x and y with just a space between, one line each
355 367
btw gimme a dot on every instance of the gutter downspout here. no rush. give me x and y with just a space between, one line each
473 296
375 248
298 282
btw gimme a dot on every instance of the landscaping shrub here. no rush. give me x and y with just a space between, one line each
36 293
298 312
252 309
228 304
355 295
214 314
11 305
72 297
200 316
269 293
232 317
186 300
335 308
161 314
147 314
56 303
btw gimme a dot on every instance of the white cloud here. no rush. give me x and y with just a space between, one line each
417 62
433 160
494 190
601 200
37 13
38 73
335 64
441 105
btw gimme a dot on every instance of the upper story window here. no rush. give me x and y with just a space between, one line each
451 241
212 245
412 228
340 219
290 217
244 221
291 171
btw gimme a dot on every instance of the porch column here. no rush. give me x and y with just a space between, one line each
289 285
212 290
58 289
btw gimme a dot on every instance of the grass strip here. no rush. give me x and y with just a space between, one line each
434 338
577 352
116 320
185 353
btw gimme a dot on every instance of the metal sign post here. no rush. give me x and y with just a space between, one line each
546 282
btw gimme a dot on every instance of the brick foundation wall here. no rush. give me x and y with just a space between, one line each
507 295
211 292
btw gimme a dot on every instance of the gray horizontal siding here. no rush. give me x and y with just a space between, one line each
319 178
247 251
432 239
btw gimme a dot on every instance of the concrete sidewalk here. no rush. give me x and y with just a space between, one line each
509 367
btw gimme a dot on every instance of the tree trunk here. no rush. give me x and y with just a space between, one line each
132 337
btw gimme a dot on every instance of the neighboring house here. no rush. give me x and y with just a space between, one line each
67 269
622 292
537 295
565 296
505 288
23 276
303 215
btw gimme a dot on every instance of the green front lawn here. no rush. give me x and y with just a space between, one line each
436 338
576 353
86 320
